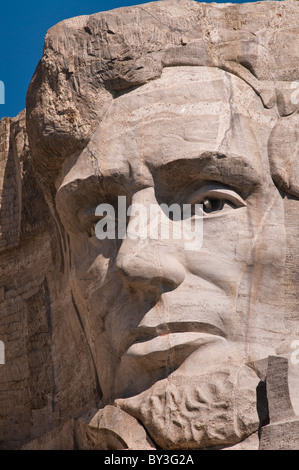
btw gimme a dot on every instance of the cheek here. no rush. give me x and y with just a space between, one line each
223 256
91 259
253 236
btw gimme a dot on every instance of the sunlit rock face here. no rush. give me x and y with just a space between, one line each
140 336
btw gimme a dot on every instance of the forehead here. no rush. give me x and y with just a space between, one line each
186 113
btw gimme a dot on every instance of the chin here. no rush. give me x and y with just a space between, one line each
212 410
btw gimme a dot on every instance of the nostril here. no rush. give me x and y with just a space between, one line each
163 284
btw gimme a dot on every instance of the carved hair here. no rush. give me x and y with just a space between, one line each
89 60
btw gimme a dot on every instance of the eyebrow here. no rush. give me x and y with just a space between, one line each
228 169
86 193
77 192
96 185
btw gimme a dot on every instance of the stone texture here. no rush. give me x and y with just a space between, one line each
34 324
111 428
282 432
280 436
60 438
279 403
141 343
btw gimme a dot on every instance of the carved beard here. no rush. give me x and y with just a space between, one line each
211 410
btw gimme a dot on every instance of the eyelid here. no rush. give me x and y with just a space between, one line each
86 213
217 192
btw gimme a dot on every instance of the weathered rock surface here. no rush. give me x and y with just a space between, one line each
282 432
35 326
111 428
137 344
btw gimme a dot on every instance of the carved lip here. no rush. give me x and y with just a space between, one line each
188 329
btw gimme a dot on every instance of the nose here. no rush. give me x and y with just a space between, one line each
148 267
146 263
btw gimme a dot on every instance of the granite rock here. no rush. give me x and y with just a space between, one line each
141 342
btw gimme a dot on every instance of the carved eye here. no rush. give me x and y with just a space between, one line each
216 199
213 205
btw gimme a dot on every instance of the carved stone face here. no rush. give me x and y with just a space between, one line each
152 310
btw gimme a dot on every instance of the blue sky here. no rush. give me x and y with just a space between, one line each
22 31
